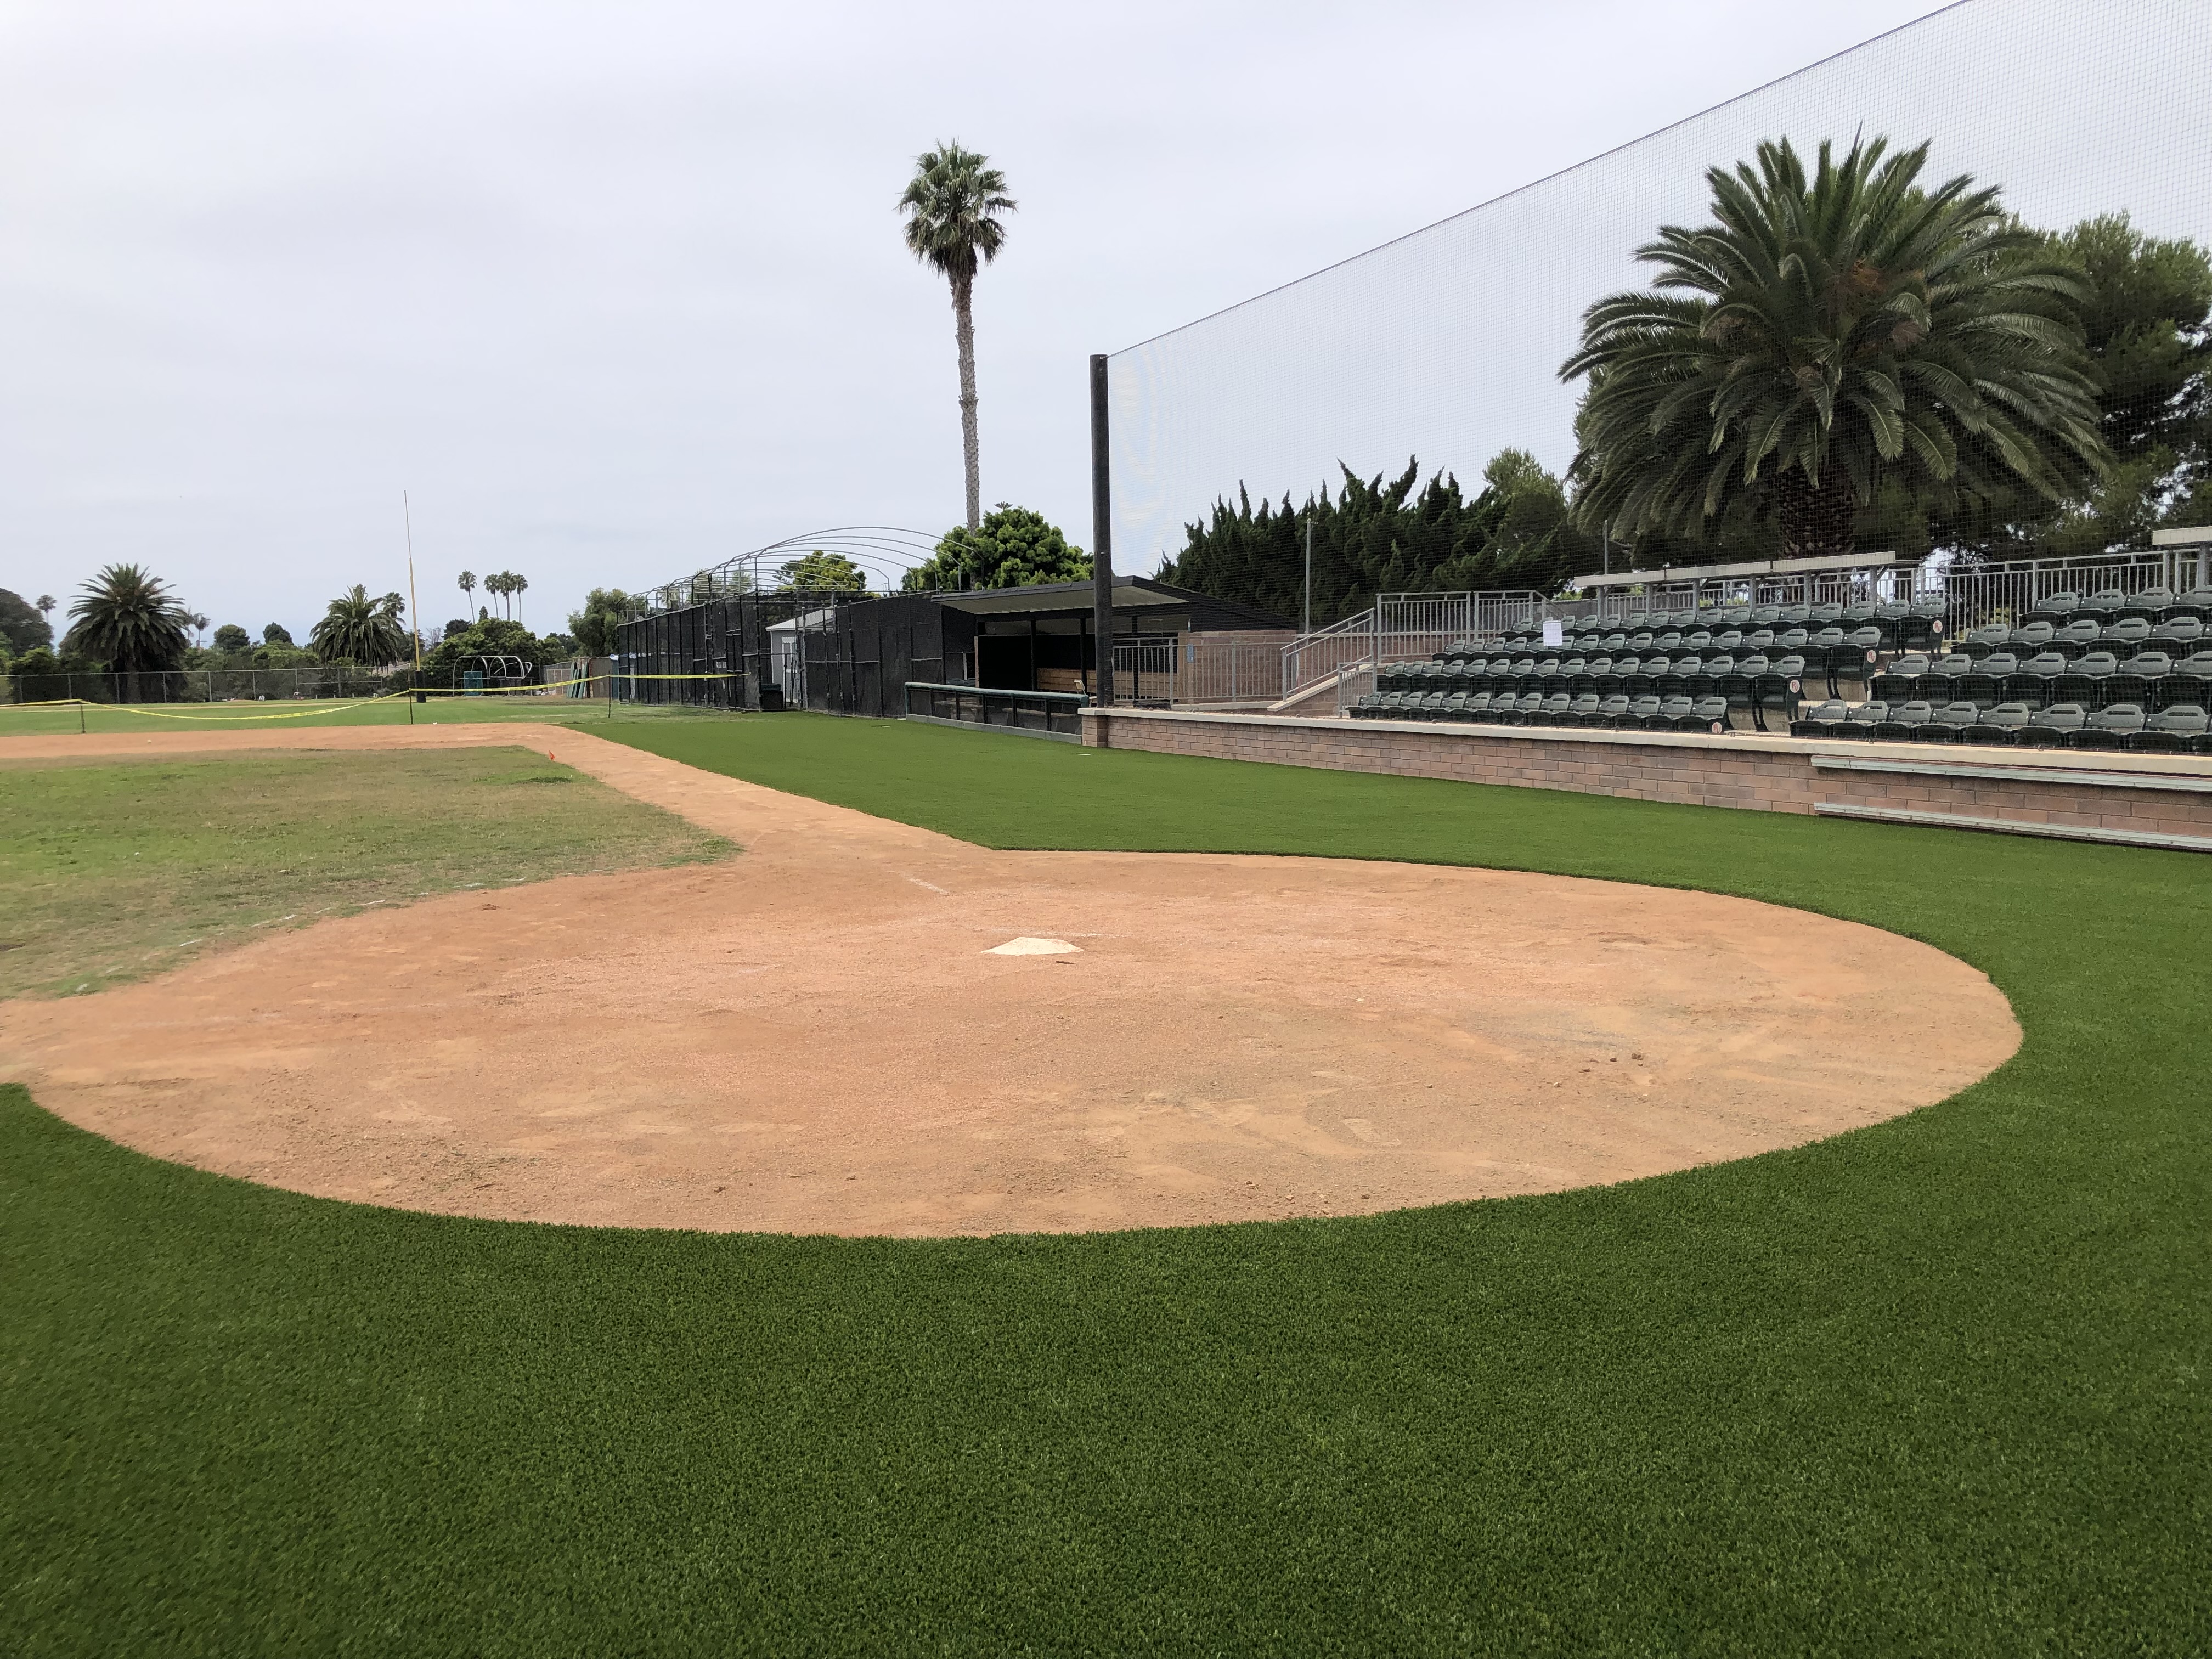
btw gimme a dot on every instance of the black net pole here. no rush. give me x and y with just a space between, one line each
1101 540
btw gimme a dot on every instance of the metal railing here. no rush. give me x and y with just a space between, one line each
1042 713
206 685
1402 627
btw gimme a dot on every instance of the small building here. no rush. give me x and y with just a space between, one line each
855 654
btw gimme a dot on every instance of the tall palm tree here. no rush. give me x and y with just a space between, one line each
357 629
951 207
468 586
1825 334
517 585
46 604
128 618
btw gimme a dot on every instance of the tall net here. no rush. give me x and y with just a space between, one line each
1446 343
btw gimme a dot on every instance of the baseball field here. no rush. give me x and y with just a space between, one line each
1749 1235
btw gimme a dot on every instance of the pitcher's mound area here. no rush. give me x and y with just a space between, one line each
827 1034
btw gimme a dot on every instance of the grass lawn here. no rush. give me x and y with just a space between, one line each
1939 1385
109 872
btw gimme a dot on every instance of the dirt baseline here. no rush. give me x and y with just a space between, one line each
814 1037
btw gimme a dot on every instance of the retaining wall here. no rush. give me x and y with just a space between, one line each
2156 800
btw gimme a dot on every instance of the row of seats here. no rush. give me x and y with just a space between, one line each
2181 730
2098 680
2179 636
1756 682
1649 714
1896 626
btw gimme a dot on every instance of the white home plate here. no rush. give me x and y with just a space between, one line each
1035 947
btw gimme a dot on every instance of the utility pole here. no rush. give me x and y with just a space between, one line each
414 610
1101 544
1308 627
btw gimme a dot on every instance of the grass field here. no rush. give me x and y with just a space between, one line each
109 872
1938 1386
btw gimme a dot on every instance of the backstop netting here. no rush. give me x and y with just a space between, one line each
1447 344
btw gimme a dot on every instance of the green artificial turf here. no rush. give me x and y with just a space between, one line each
112 871
1939 1385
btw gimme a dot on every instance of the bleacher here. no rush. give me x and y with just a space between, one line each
2110 670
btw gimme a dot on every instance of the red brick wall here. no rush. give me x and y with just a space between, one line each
1762 773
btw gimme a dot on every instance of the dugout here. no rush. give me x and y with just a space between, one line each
848 653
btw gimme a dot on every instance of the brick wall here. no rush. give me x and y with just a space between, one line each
2151 799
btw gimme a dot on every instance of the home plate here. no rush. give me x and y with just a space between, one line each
1035 947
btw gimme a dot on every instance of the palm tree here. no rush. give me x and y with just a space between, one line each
128 618
360 629
951 207
468 586
517 585
1823 336
46 604
500 585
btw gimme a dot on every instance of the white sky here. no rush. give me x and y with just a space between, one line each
616 292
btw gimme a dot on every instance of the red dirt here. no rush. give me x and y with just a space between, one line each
811 1038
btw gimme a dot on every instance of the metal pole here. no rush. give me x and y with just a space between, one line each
1308 629
1102 535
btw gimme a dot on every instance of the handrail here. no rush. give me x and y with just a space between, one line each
998 691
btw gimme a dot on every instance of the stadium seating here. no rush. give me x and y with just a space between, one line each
2180 729
1827 719
2108 728
2049 728
1949 724
2001 725
1905 719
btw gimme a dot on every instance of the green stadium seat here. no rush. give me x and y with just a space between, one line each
1780 687
1949 724
2056 609
1999 727
2179 636
2180 730
1865 718
1672 712
1640 710
2126 636
1985 683
1557 709
1924 625
1904 720
2109 727
2139 678
1826 719
2101 607
2077 638
1528 709
2189 681
2197 603
1608 711
1705 680
2148 603
1939 684
2049 728
1985 642
1584 710
1895 682
1455 706
2031 639
2031 681
2083 681
1797 616
1709 715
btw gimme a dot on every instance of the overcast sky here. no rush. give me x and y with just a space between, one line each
617 291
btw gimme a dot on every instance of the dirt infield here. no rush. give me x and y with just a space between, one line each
814 1036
